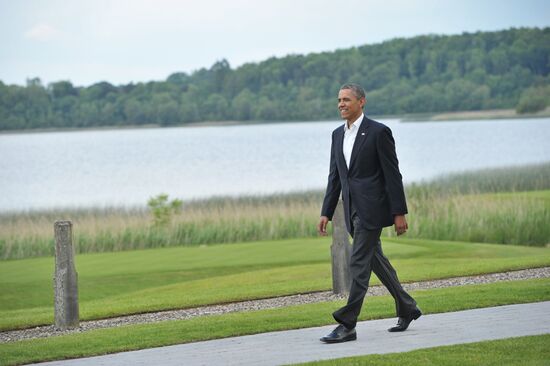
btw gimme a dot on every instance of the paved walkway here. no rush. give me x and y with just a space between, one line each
302 345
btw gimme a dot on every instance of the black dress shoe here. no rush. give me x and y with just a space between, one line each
340 334
403 322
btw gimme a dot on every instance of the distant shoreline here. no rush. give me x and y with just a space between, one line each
474 115
417 117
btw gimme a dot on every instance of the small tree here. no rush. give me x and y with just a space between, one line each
163 210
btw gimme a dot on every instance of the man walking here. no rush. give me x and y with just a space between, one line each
364 169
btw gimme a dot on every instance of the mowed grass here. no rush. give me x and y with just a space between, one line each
112 284
142 336
531 350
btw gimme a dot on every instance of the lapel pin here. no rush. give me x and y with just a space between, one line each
362 134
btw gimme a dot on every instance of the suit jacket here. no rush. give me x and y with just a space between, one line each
373 181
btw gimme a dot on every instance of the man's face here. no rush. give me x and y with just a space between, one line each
349 106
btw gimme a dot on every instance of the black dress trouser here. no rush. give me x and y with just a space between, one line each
366 257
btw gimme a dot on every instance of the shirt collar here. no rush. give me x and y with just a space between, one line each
355 124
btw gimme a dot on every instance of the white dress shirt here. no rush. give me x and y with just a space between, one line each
349 137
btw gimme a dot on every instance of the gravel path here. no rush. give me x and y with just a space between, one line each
272 303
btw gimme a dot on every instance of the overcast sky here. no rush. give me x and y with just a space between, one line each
120 41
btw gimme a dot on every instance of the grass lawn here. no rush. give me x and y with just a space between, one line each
134 337
119 283
532 350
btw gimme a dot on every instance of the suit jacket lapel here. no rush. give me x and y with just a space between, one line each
359 141
340 150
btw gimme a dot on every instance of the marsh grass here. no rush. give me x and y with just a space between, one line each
217 220
507 179
508 206
515 218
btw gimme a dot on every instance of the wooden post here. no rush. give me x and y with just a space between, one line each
340 252
65 278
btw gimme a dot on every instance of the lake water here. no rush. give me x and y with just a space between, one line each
127 167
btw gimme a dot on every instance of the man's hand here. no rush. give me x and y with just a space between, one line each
322 226
400 223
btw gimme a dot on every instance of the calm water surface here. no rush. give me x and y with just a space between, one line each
126 167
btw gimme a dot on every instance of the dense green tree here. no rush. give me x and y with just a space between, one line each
242 104
215 108
88 114
62 89
136 113
534 99
433 73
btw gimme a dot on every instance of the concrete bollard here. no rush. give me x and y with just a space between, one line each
65 278
340 252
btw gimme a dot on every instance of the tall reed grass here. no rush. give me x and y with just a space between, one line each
517 218
507 179
465 207
216 220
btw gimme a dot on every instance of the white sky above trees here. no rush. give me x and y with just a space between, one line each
122 41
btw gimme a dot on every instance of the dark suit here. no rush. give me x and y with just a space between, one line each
372 192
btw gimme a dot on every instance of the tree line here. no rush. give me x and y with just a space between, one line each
424 74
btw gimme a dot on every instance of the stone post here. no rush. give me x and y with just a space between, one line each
340 252
65 278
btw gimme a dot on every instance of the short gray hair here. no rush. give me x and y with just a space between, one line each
356 89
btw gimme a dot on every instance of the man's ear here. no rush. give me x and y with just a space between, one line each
363 101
